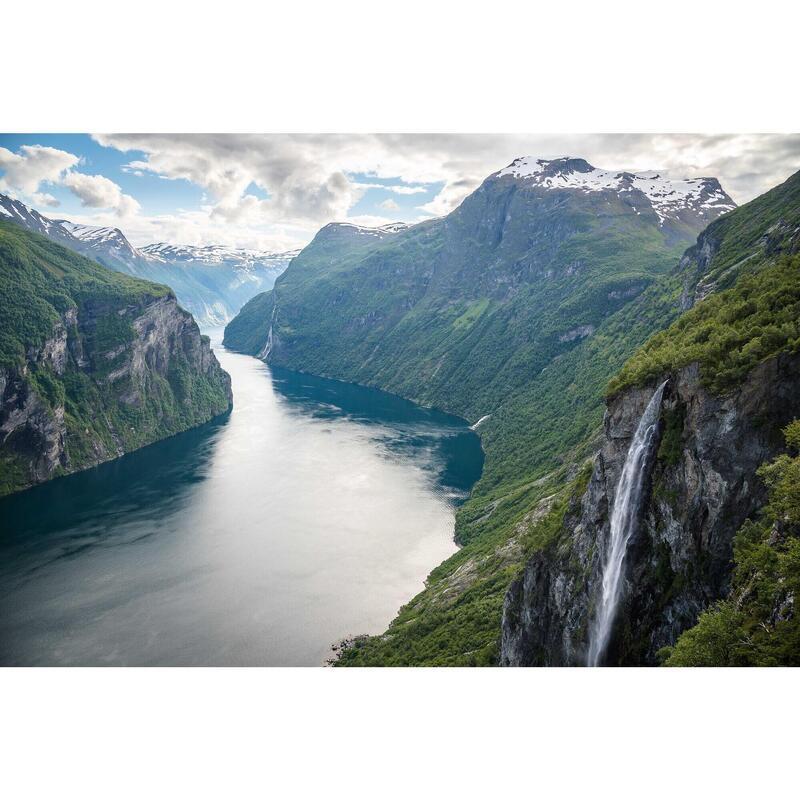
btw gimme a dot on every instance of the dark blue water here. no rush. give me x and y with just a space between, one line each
313 511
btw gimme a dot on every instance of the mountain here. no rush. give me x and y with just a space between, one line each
519 305
467 312
107 246
223 278
674 202
731 369
246 260
211 282
93 363
529 534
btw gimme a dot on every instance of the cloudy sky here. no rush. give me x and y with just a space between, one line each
274 192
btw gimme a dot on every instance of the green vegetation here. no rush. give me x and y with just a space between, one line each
728 333
456 620
671 447
472 313
247 331
758 624
49 293
41 280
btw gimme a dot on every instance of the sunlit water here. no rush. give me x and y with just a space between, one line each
312 512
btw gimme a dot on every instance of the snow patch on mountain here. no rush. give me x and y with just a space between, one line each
216 254
378 232
667 197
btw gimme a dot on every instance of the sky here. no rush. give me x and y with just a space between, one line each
274 191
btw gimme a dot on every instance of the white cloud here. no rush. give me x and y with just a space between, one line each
452 193
97 191
396 188
44 199
389 204
400 189
33 165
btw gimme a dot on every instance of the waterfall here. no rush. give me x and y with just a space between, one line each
623 521
267 348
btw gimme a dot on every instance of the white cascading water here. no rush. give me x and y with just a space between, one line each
623 518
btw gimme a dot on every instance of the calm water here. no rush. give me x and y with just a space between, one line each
313 511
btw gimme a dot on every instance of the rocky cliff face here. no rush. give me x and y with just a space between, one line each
701 486
110 378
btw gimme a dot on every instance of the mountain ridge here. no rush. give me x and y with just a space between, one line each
212 282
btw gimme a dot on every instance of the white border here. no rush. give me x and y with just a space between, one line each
359 65
411 66
236 733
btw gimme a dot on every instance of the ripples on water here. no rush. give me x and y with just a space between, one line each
312 511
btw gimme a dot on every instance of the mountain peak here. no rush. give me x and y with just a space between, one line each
668 197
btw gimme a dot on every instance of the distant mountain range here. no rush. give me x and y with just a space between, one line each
212 282
672 201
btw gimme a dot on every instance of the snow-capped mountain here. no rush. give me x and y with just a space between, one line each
213 282
668 198
107 245
361 234
217 254
31 219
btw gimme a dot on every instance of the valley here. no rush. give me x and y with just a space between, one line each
617 349
308 514
523 305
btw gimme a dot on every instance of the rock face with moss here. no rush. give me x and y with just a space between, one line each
702 486
757 624
93 364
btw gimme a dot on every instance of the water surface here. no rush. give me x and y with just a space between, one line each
313 511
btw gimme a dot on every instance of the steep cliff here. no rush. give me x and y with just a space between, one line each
701 487
92 363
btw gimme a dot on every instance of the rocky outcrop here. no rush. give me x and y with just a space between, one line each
109 379
700 488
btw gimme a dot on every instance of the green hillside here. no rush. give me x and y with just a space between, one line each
72 396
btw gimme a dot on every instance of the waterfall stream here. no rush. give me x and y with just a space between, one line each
623 520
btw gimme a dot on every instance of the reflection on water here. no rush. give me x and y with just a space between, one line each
312 511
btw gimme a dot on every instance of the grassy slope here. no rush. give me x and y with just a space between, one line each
247 331
728 333
39 282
